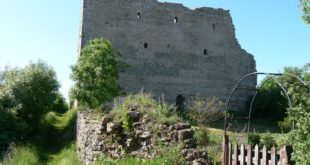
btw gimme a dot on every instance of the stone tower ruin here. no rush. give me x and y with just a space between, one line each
172 50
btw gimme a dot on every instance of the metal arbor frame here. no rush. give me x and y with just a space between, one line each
271 76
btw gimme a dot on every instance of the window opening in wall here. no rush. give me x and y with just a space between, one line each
213 25
175 20
205 52
139 15
145 45
168 46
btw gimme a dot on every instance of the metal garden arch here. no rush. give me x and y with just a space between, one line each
271 76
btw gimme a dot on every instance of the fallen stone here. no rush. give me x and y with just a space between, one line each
112 127
180 126
106 119
200 161
145 135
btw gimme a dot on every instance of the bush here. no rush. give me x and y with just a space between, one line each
253 139
268 140
269 102
203 111
59 104
12 129
145 104
202 136
22 155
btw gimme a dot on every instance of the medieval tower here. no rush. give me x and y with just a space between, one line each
172 50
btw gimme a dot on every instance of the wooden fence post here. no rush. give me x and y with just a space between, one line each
264 158
235 160
225 150
283 156
229 153
273 156
242 155
256 155
249 154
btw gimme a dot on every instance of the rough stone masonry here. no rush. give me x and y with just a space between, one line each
172 50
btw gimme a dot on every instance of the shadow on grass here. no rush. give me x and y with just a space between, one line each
55 133
257 125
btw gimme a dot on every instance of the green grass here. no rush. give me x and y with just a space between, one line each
256 125
53 144
22 155
167 156
144 103
67 156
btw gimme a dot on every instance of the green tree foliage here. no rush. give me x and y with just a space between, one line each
12 128
305 7
299 137
32 91
300 113
96 73
26 95
271 102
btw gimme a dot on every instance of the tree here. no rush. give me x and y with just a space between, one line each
30 92
26 95
300 113
96 73
305 7
270 101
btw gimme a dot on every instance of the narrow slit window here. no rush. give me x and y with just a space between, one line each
175 20
205 52
145 45
138 15
213 26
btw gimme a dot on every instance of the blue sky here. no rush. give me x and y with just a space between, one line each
30 30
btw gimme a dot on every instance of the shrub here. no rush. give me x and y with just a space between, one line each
268 140
269 102
286 125
203 111
253 139
145 104
12 129
214 149
59 104
202 136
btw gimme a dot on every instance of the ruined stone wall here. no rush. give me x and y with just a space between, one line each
99 135
171 49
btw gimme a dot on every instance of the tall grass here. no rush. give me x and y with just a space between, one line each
66 156
22 155
145 104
